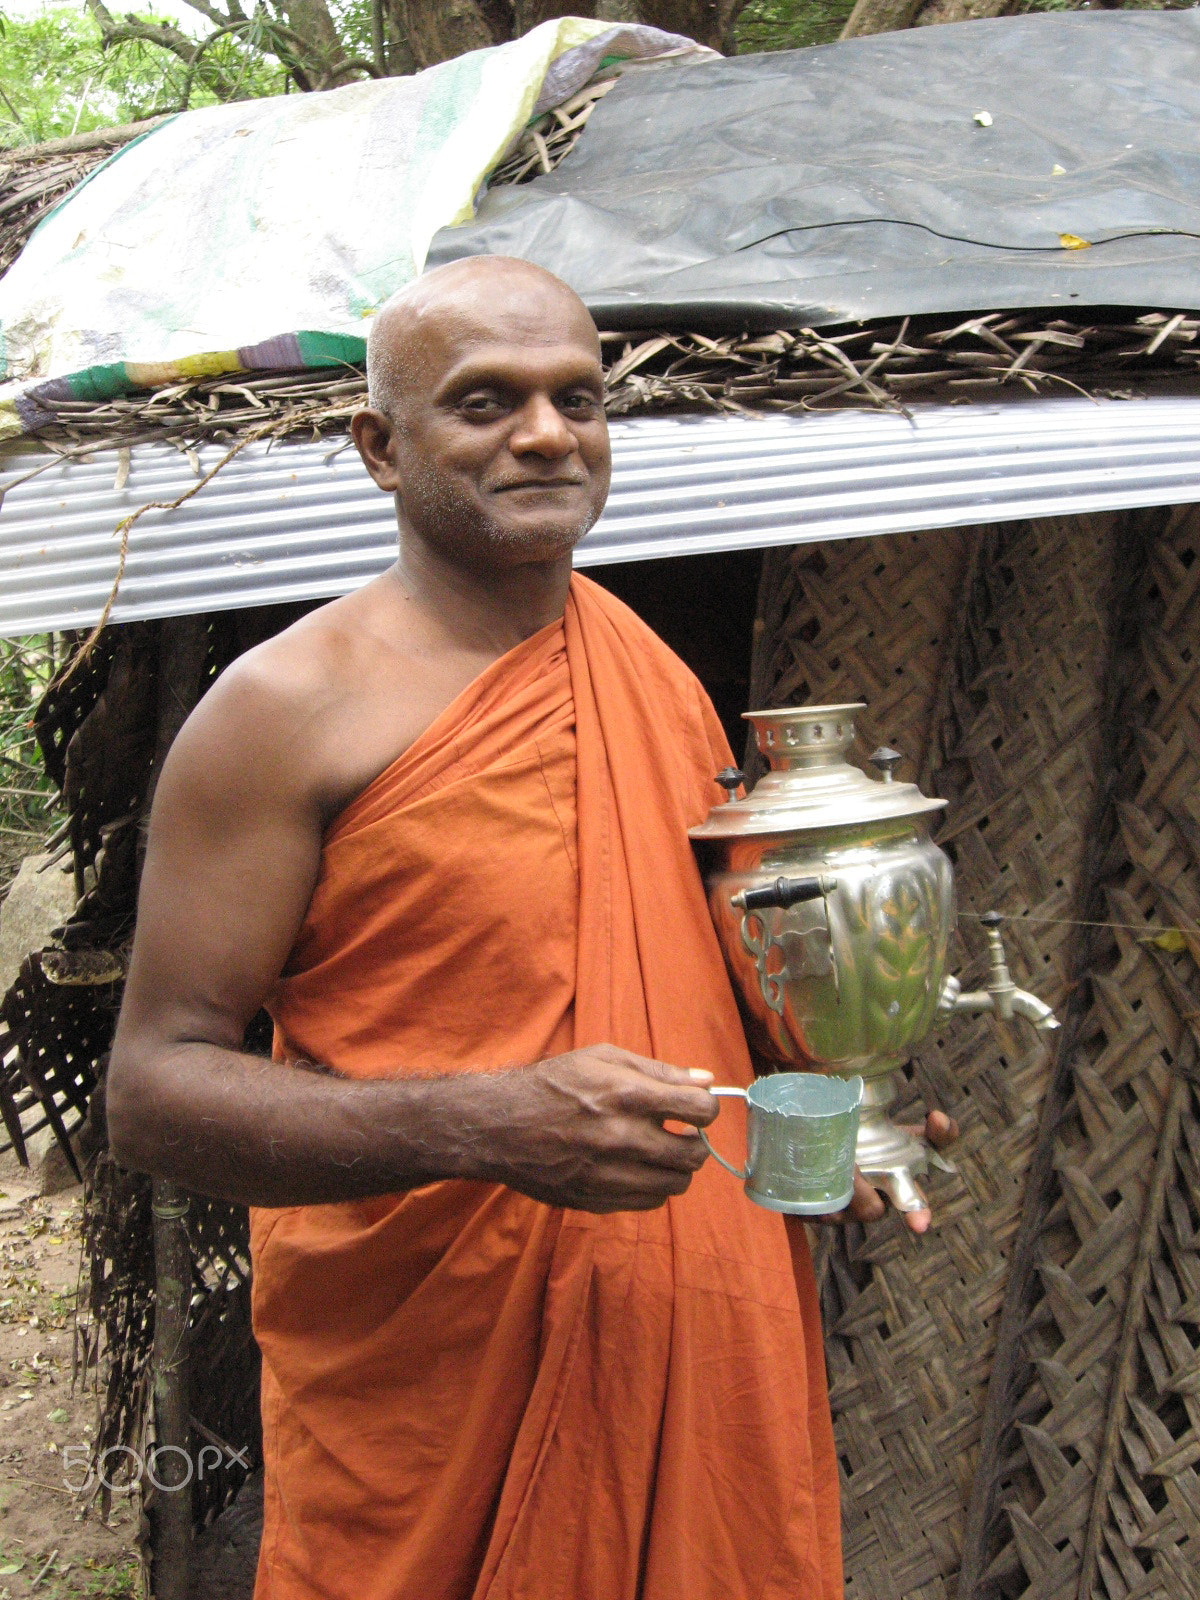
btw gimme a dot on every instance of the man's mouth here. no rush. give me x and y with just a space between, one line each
538 483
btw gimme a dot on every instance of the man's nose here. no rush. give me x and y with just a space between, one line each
541 429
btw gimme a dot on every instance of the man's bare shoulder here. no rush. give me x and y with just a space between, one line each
309 716
300 674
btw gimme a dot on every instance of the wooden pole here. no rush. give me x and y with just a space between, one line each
377 45
171 1462
182 660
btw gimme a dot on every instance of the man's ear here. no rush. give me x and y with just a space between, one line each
373 432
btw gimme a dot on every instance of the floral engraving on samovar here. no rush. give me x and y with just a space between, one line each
834 908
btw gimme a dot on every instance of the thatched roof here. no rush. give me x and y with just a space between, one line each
885 363
34 178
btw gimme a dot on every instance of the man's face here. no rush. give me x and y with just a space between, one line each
500 445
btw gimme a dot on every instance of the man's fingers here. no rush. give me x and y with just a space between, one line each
662 1070
677 1098
866 1204
678 1152
632 1186
940 1130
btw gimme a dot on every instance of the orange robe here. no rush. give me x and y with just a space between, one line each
467 1393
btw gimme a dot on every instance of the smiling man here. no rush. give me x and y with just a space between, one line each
517 1339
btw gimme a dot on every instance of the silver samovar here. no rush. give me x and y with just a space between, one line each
834 908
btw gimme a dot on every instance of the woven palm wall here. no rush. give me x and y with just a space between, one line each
105 729
1015 1394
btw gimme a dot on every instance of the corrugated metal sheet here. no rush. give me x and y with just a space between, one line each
304 521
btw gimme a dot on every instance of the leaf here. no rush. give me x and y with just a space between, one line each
10 1567
984 118
1072 241
57 1416
1171 940
122 469
1056 171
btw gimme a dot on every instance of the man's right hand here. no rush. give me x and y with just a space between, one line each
585 1130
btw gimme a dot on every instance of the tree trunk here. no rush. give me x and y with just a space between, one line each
709 22
437 30
312 23
886 16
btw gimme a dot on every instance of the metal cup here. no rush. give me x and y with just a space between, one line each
801 1130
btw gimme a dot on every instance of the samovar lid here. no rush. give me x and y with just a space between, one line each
811 785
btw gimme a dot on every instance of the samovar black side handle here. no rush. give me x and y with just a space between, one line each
782 893
757 938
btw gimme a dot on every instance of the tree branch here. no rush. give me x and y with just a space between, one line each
11 107
163 35
232 13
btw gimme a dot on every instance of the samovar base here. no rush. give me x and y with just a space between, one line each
890 1158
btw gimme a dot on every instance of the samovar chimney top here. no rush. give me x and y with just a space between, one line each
804 736
811 784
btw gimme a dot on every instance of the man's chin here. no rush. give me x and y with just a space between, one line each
529 544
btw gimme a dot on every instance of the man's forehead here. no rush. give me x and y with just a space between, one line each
459 330
444 323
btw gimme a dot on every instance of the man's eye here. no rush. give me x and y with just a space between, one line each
582 401
481 405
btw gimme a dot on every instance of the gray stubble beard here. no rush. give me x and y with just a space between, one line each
432 492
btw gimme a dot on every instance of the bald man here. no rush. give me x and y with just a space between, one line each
518 1340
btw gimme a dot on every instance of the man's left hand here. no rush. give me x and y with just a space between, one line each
868 1205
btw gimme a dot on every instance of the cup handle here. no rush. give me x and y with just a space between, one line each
739 1172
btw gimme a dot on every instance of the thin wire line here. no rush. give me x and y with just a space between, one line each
1083 922
963 238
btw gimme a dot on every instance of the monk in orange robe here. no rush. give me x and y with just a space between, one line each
518 1339
465 1392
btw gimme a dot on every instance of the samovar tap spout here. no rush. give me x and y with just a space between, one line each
1034 1010
1001 997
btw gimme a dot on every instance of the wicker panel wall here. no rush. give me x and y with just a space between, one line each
984 657
1095 1468
105 730
863 619
1017 1396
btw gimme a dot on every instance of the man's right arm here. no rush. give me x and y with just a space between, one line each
232 858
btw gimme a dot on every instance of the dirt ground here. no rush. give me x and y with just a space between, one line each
47 1548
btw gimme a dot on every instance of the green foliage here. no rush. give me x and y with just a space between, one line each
790 24
55 79
26 794
353 21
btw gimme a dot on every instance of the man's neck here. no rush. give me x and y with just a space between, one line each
496 606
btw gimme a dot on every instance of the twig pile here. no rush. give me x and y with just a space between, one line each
888 362
33 179
551 138
210 410
882 364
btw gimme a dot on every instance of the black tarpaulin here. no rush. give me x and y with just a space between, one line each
936 170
